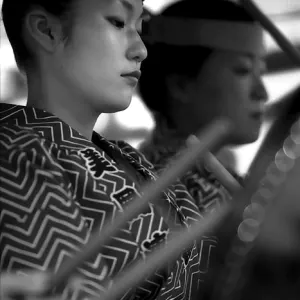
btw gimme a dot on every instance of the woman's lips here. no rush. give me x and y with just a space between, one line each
132 78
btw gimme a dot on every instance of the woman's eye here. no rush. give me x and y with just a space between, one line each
242 71
117 22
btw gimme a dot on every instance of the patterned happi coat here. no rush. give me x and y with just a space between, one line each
207 192
56 187
164 144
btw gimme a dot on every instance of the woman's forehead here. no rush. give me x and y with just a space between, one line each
223 58
129 5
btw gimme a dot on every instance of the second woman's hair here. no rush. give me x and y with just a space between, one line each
164 60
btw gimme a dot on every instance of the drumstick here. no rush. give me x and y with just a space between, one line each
222 174
158 258
210 137
219 171
281 105
182 239
281 40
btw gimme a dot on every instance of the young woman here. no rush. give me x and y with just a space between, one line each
205 60
59 179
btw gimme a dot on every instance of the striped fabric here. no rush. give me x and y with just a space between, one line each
205 189
56 186
208 196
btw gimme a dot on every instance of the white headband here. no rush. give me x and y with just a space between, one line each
233 36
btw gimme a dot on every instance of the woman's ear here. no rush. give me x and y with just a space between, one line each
43 29
178 87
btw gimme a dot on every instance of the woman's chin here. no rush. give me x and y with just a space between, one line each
243 139
117 105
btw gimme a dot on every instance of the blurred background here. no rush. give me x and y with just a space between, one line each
135 124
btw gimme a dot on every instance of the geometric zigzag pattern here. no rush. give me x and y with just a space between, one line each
206 190
207 193
56 187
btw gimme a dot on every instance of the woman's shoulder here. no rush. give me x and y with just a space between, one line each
20 145
14 136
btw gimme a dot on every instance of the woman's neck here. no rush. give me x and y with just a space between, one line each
49 95
174 134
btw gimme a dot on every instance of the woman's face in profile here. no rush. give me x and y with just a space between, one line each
102 57
230 84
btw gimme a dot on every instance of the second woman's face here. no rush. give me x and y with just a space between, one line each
102 57
230 84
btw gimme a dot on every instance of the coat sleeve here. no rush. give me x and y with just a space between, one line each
41 224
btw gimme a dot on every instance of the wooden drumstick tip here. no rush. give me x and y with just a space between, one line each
214 166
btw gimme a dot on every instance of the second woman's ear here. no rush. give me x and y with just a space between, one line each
43 30
177 86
